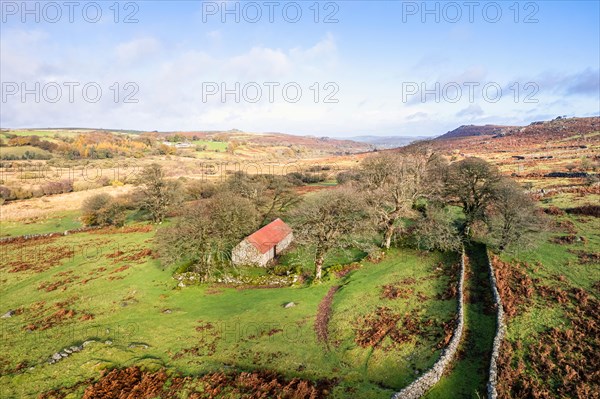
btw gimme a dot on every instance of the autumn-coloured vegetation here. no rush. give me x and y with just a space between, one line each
383 322
386 325
135 383
324 314
562 361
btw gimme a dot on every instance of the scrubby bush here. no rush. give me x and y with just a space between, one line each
5 194
85 185
19 193
585 210
57 187
318 168
308 178
285 270
195 190
103 210
347 176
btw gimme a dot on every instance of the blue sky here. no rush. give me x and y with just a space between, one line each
361 73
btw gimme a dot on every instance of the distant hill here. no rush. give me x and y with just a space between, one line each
557 128
474 130
561 140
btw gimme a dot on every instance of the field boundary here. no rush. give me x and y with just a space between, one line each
25 237
424 383
500 331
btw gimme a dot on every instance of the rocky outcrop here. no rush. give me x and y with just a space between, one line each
500 330
431 377
66 352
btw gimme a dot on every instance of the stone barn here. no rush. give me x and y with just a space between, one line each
263 245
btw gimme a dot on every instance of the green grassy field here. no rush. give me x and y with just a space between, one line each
77 288
211 145
563 288
467 378
44 133
59 222
569 200
40 133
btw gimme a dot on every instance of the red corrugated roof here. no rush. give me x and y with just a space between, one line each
269 236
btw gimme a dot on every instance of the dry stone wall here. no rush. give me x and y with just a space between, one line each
7 240
500 330
424 383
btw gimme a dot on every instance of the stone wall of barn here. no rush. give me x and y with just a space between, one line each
265 258
283 244
245 254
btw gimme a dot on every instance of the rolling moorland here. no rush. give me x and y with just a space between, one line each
102 296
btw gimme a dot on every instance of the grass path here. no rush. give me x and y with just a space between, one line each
468 376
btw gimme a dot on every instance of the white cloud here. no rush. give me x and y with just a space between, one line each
19 50
322 55
326 47
417 116
170 87
137 49
471 111
260 62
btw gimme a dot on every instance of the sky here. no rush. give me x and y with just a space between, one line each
330 68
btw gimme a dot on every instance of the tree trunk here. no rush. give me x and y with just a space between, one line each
387 238
320 259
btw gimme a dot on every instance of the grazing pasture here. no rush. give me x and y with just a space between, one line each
105 292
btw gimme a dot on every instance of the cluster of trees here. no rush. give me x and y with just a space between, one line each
176 138
416 188
216 216
155 196
415 195
35 141
411 196
102 145
92 145
24 156
219 216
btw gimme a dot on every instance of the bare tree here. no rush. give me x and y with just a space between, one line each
157 194
471 183
514 218
270 194
393 182
328 220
